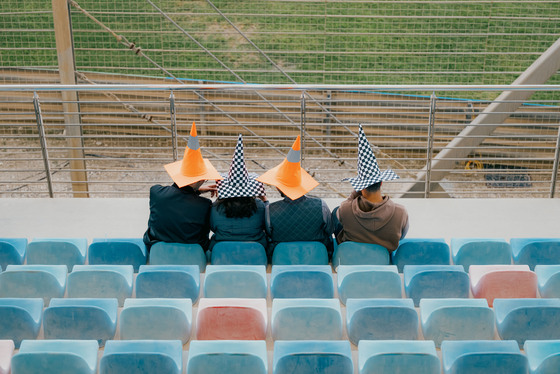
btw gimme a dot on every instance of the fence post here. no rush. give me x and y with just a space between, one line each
302 127
555 166
43 141
173 125
430 144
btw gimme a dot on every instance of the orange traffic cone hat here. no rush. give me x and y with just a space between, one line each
192 168
289 177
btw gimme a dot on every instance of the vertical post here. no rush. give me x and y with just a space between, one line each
302 128
70 107
430 144
555 166
43 141
328 118
173 125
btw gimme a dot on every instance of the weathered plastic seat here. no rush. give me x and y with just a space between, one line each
397 356
536 251
117 251
231 319
227 356
156 319
20 318
57 251
483 357
306 319
527 319
480 251
168 281
368 282
142 357
435 281
312 356
300 253
98 281
6 352
354 253
238 253
456 319
543 356
305 281
548 277
86 319
502 281
12 251
381 319
44 281
417 251
243 281
56 357
162 253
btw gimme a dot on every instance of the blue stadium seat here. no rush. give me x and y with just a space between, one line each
243 281
227 356
456 319
300 253
117 251
398 356
527 319
305 281
483 357
6 352
85 319
97 281
45 281
480 251
168 281
314 356
238 253
12 251
543 356
368 282
548 277
535 251
354 253
416 251
57 251
435 281
306 319
142 357
162 253
56 357
156 319
20 318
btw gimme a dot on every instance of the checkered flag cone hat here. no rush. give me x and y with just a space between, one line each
239 182
368 169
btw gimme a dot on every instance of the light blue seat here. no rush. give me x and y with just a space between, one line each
535 251
305 281
227 356
527 319
480 251
12 251
354 253
483 357
44 281
368 282
86 319
168 281
435 281
20 318
381 319
241 281
314 356
397 356
117 251
142 357
238 253
456 319
300 253
56 357
548 277
97 281
543 356
162 253
156 319
306 319
417 251
57 251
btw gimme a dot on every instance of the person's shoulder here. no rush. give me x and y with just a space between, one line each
157 189
398 206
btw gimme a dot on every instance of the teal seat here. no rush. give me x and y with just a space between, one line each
354 253
162 253
238 253
118 251
227 356
20 318
57 251
301 281
97 281
368 282
168 281
548 277
241 281
435 281
535 251
300 253
543 356
142 357
480 251
6 353
397 356
417 251
44 281
12 251
312 356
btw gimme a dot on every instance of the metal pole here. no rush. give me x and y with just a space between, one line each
555 167
302 128
43 141
430 144
173 125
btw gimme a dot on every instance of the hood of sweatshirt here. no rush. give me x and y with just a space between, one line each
373 216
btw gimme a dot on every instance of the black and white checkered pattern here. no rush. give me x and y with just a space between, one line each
239 182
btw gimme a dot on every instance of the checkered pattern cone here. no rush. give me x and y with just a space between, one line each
239 182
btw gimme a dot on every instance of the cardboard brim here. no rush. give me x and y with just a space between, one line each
174 171
293 192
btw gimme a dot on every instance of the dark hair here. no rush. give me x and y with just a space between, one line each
237 207
374 187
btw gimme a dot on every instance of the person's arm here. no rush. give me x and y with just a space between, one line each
404 229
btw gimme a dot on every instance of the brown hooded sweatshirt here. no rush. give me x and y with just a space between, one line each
383 223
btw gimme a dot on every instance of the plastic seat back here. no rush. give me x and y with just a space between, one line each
117 251
98 281
57 251
301 281
368 282
227 356
44 281
238 253
543 356
332 357
354 253
242 281
162 253
168 281
536 251
300 253
416 251
397 356
12 251
435 281
548 277
142 356
20 318
502 281
480 251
